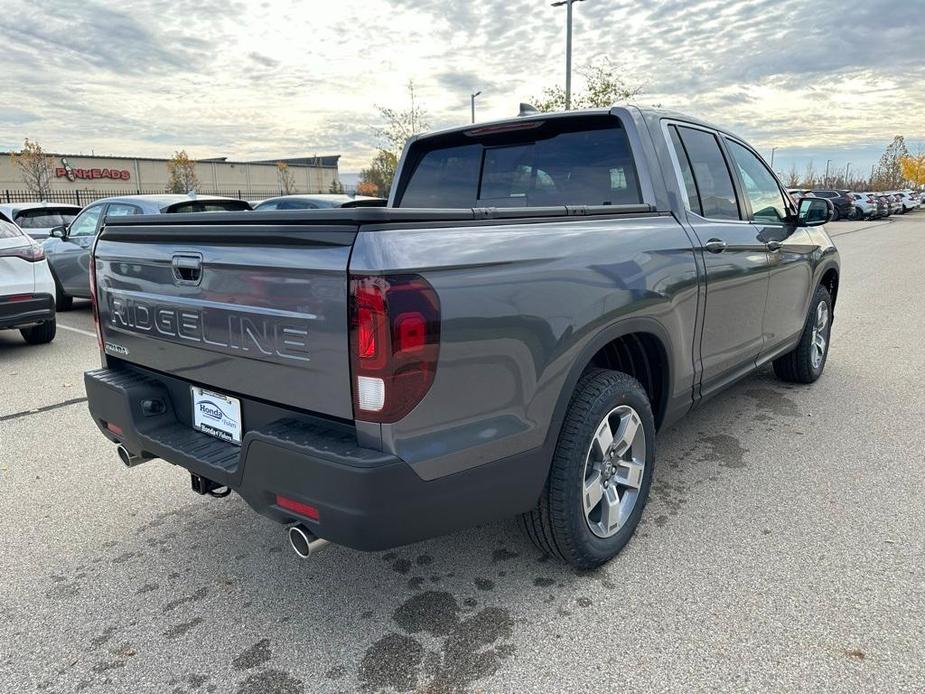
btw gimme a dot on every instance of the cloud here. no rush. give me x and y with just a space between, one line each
288 78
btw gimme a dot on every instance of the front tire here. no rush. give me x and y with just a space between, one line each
40 334
804 364
601 472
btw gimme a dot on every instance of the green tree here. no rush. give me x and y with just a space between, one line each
181 172
336 187
34 168
604 87
889 172
380 173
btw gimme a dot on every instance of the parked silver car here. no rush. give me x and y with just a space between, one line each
68 246
36 219
317 202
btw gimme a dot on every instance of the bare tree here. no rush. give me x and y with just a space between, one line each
401 124
792 179
34 168
809 175
182 172
285 178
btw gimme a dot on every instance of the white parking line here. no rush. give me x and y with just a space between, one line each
76 330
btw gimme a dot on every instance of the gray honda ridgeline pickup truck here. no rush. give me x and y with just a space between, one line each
539 297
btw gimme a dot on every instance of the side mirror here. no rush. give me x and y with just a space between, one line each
59 232
814 212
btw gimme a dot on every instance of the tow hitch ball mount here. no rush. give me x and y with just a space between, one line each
204 486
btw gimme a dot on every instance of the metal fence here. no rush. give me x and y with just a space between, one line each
84 197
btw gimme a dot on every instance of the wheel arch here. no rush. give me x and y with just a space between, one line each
620 344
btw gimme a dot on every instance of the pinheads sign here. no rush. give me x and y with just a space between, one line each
70 173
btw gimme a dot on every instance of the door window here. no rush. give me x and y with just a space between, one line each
687 174
715 192
760 186
86 221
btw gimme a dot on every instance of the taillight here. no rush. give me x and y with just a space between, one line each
394 343
94 304
32 253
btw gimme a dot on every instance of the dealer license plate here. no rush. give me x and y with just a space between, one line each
217 415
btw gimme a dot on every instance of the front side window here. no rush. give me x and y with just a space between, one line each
711 175
581 161
760 185
86 221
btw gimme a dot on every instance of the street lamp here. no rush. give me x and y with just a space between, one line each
568 48
773 149
472 102
827 163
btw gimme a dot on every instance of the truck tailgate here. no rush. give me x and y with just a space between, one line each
243 308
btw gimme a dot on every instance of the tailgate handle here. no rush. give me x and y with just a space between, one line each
187 268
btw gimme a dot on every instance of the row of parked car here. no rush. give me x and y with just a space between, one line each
865 205
45 247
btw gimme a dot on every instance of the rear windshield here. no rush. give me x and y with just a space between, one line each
210 206
580 161
45 217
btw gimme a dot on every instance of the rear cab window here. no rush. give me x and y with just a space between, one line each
560 161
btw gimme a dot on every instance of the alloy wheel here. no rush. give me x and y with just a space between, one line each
614 468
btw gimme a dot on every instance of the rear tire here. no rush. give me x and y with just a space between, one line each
40 334
595 492
63 302
804 364
835 214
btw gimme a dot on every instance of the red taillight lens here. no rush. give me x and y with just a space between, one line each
394 343
32 253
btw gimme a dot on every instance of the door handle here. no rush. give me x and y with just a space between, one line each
715 246
774 245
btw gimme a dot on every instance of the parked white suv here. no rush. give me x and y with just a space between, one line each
865 205
27 290
38 218
910 200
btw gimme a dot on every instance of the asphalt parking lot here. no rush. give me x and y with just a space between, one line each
783 548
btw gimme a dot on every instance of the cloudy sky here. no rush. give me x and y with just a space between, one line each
827 79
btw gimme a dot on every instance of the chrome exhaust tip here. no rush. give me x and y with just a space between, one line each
130 459
304 542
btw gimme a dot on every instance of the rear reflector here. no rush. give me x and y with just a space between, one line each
297 507
19 297
114 428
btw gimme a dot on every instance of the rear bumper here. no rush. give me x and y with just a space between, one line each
365 499
24 312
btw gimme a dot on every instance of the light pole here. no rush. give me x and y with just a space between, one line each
827 163
568 49
773 149
847 172
472 102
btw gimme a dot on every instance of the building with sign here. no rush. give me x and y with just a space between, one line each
94 176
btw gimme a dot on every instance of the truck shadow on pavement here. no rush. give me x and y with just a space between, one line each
437 616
